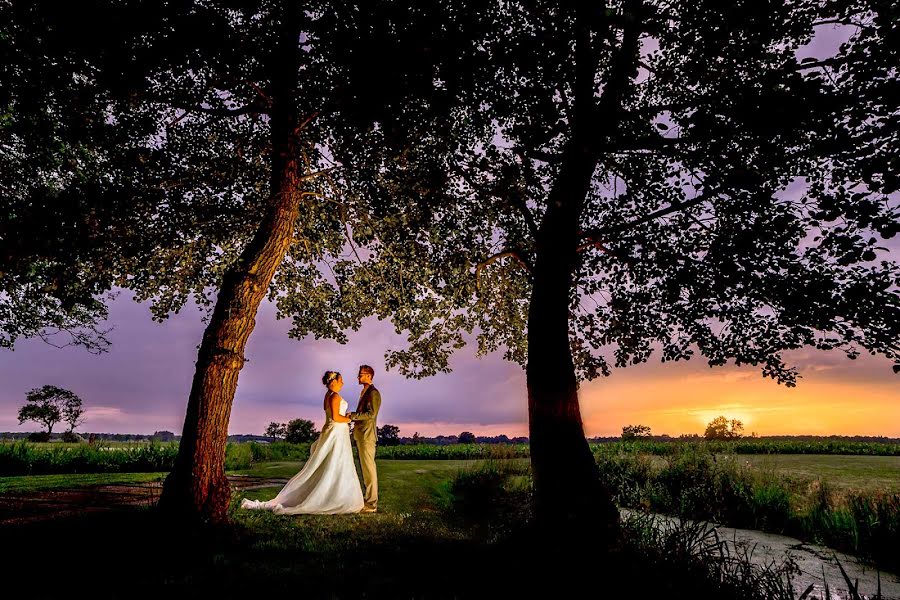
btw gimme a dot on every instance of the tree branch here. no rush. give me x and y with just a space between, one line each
624 63
842 22
604 232
815 64
648 143
506 252
315 174
221 112
601 245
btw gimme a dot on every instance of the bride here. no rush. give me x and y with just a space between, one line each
327 483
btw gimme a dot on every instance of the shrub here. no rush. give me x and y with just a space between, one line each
70 437
694 483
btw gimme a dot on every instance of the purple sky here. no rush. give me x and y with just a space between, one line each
142 385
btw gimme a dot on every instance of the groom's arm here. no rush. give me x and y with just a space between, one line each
371 411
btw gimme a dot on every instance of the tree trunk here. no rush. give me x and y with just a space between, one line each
197 488
567 487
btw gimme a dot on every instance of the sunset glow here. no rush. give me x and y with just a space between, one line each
830 401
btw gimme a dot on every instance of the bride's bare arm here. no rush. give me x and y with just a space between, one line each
336 410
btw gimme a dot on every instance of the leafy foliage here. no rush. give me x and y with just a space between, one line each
276 430
299 431
388 435
137 154
735 208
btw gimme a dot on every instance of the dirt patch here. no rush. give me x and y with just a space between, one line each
43 505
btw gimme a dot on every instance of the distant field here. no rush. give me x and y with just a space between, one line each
759 446
844 472
865 473
848 472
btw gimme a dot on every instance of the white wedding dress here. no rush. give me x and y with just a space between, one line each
327 484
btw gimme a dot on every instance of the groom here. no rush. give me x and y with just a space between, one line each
365 432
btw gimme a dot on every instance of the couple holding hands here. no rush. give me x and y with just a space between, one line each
328 482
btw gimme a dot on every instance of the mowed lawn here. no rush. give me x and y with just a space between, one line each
404 486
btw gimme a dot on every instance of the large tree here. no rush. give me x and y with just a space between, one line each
182 153
591 183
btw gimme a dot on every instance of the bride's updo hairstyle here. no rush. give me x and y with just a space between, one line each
329 376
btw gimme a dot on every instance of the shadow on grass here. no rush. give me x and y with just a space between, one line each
137 554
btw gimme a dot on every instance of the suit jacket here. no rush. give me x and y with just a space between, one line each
365 427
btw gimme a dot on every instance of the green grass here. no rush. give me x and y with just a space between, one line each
436 536
404 486
35 483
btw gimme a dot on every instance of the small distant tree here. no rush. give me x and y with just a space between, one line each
299 431
72 411
276 430
388 435
722 428
163 436
466 437
49 405
632 432
416 439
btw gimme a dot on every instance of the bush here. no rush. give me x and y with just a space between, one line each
70 437
682 559
694 483
300 431
493 497
39 437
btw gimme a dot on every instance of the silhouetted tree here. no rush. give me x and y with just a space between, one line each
593 182
466 437
388 435
633 432
721 428
49 405
276 430
298 431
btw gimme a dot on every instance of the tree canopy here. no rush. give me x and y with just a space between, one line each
736 210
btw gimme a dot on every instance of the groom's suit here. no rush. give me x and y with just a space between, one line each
365 432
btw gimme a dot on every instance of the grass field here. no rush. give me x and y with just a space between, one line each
845 472
36 483
840 471
850 503
404 486
419 545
